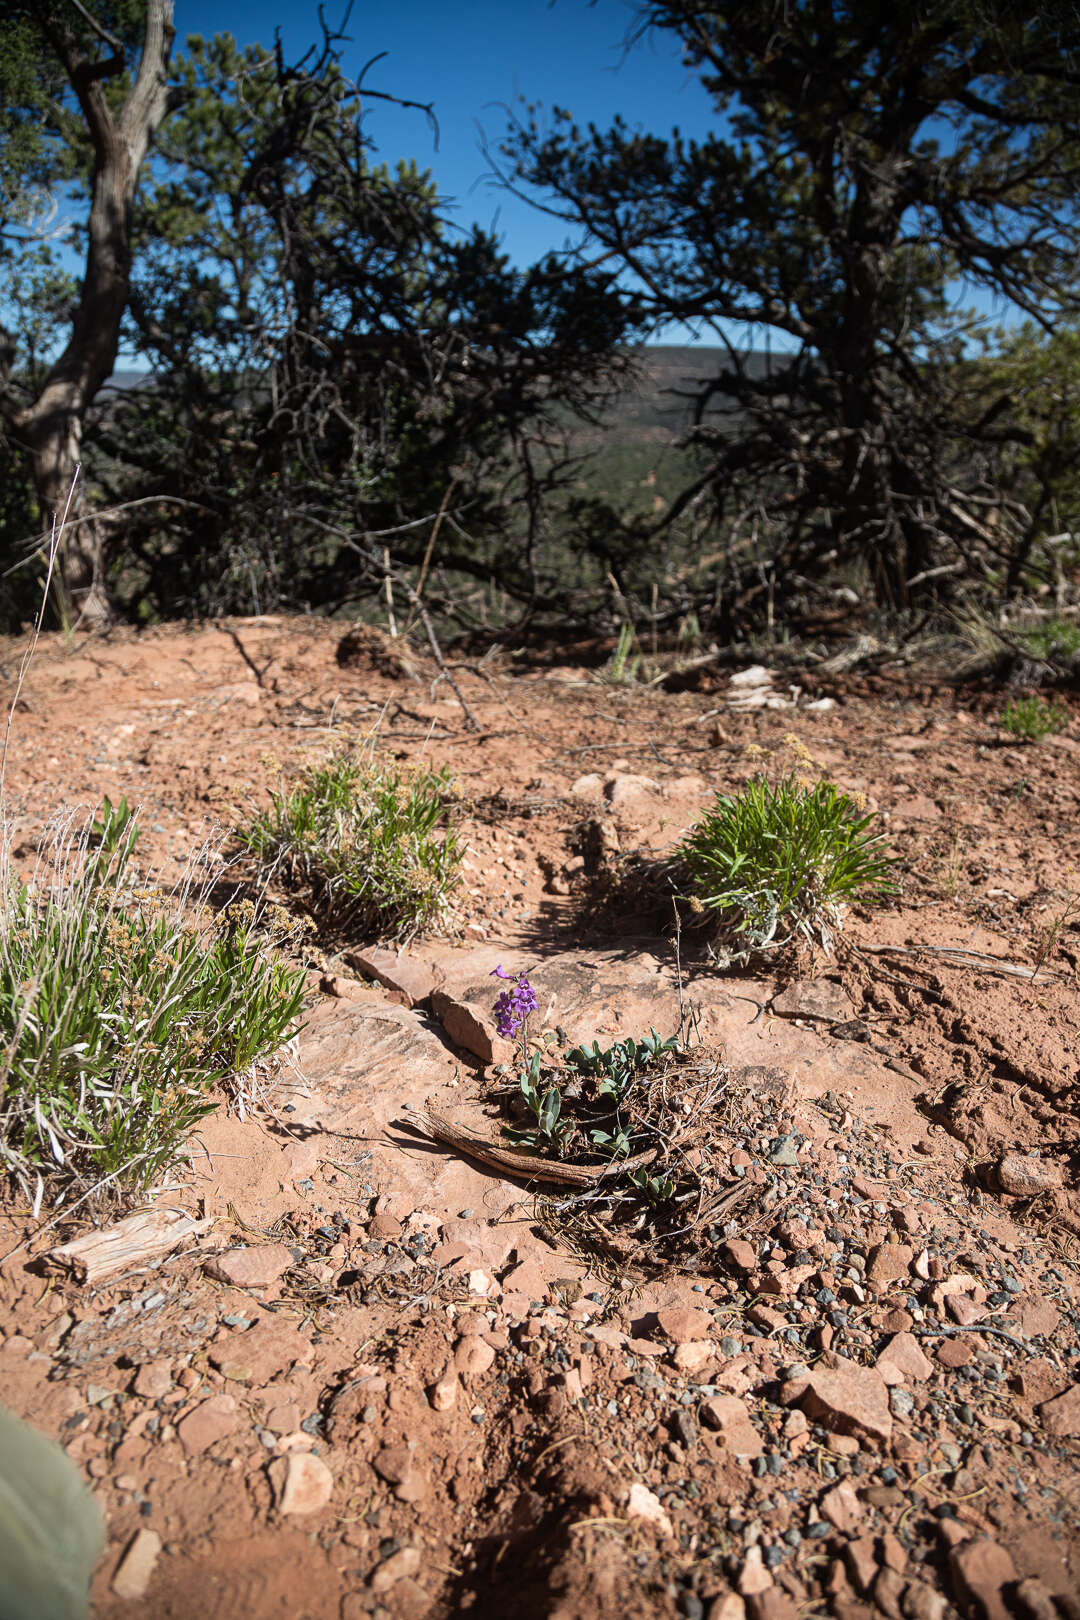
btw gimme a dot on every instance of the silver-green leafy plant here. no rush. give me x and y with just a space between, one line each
370 844
616 1066
121 1009
778 860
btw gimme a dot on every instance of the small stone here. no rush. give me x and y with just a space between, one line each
642 1504
397 1465
728 1606
1022 1175
980 1568
728 1414
740 1254
821 999
302 1483
251 1268
261 1352
850 1399
842 1508
443 1393
862 1562
754 1577
680 1323
404 1562
284 1419
625 789
954 1353
1038 1318
888 1592
889 1262
691 1357
1034 1601
153 1380
903 1353
472 1358
1061 1416
922 1602
136 1568
964 1311
772 1604
409 1601
590 786
211 1421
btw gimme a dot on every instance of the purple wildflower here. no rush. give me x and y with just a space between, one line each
513 1007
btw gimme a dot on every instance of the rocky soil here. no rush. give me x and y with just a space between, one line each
383 1380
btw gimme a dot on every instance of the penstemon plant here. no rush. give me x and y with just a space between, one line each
512 1011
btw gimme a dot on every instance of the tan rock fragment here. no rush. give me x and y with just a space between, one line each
728 1414
251 1267
302 1483
1023 1175
643 1504
136 1569
405 1562
849 1399
904 1353
842 1508
754 1577
211 1421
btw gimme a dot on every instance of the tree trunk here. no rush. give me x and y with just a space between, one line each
50 427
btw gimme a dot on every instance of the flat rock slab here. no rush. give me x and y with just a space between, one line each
367 1072
607 995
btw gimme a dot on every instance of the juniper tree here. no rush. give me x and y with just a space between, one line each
868 158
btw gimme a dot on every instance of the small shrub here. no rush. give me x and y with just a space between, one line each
367 842
118 1016
1030 718
779 860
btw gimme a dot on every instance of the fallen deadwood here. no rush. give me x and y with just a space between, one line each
147 1235
529 1166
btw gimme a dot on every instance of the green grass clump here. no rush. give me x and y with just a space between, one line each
1030 718
119 1014
370 844
1054 638
779 860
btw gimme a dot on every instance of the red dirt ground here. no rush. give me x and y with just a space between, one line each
875 1408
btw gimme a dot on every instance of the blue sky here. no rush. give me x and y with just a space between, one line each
472 60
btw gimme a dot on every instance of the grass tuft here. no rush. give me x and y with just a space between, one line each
118 1015
1054 638
779 860
368 844
1031 718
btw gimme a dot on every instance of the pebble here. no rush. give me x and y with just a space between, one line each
211 1421
136 1568
251 1268
152 1380
302 1483
404 1562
